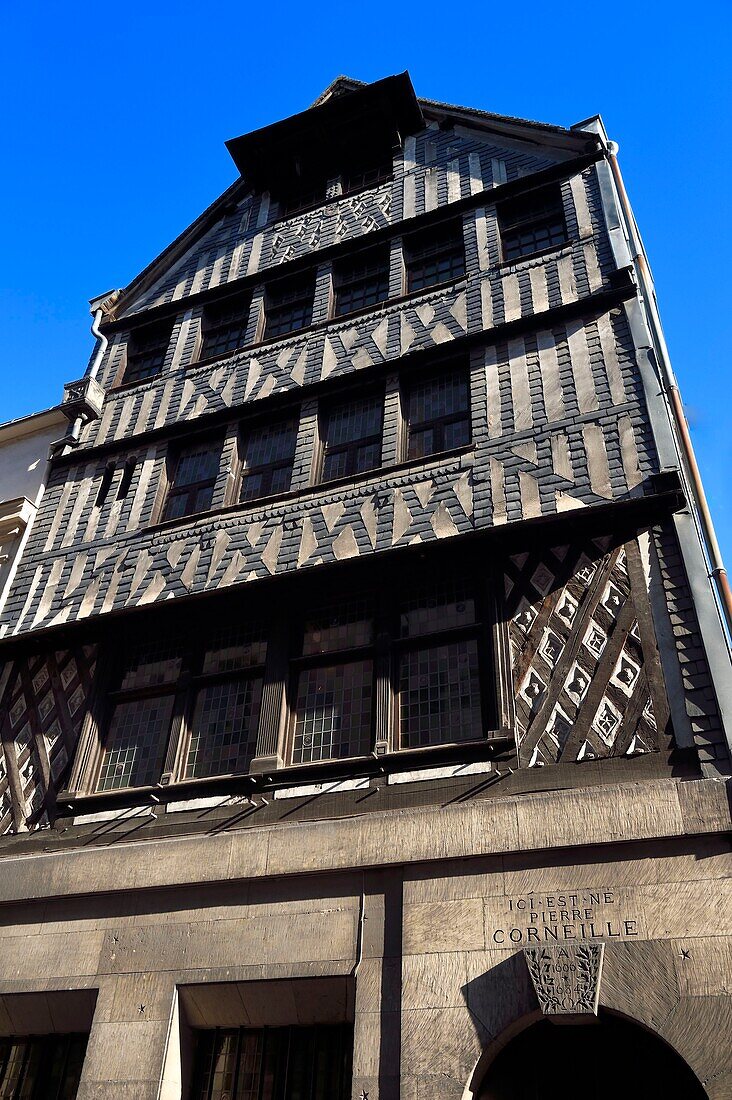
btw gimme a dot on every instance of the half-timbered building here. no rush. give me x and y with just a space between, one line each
366 697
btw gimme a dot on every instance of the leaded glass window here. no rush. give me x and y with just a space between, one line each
435 255
194 479
352 437
333 701
367 177
140 716
439 675
532 223
268 453
438 413
228 693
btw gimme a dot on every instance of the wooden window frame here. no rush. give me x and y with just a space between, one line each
137 350
440 422
425 247
522 213
211 323
173 460
352 447
305 283
345 283
184 691
267 469
270 737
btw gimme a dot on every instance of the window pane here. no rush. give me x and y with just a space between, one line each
456 434
437 397
439 695
422 443
340 626
289 306
197 464
151 665
225 327
442 607
270 443
335 465
135 746
333 712
367 458
224 728
437 414
194 480
435 256
370 177
146 352
362 281
354 420
234 649
268 455
531 223
352 437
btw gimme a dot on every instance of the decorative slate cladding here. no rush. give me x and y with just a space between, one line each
43 705
585 667
558 423
437 168
492 294
561 432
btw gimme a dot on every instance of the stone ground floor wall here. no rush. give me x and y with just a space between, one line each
424 955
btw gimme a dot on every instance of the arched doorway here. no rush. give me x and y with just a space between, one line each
608 1059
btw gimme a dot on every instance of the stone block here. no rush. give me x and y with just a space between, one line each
440 1041
443 926
703 966
434 980
625 986
705 806
122 1052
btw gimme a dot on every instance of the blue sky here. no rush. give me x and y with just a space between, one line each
115 120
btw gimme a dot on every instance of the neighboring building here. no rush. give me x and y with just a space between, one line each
363 657
24 449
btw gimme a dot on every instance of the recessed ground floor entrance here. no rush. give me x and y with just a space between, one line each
605 1059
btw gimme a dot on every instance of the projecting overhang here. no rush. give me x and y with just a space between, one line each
352 131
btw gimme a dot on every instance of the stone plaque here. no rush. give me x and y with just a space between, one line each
566 978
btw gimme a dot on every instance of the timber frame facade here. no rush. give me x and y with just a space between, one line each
363 643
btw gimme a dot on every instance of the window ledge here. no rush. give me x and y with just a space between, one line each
508 266
142 799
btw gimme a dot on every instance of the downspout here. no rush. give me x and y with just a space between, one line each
97 313
717 572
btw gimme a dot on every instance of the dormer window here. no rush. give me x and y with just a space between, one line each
146 351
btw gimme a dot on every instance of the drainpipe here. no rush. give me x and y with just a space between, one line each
98 313
99 308
717 572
